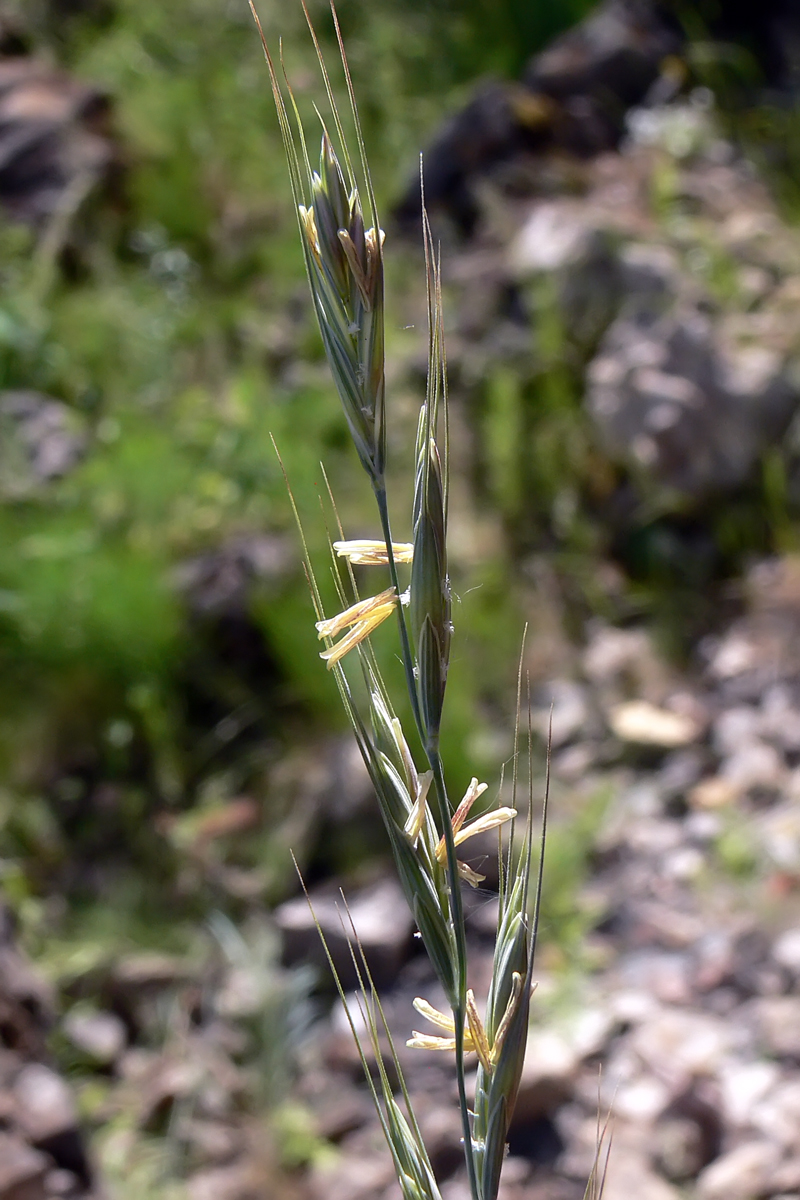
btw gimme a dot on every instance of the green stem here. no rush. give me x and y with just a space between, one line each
405 641
459 1001
459 1005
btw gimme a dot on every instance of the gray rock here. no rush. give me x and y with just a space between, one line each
62 1183
777 1114
677 1044
44 1104
382 920
778 833
210 1141
736 726
221 581
55 144
22 1170
741 1174
754 765
41 439
556 234
778 1020
630 1174
687 412
548 1074
688 1133
240 1181
742 1086
786 951
563 240
569 716
100 1035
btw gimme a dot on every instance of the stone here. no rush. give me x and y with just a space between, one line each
640 1099
687 411
555 235
630 1175
754 765
548 1074
605 64
734 655
714 792
736 726
778 833
382 921
565 712
352 1177
678 1044
42 440
611 652
26 1003
740 1174
778 1020
241 1181
688 1134
210 1141
55 147
150 971
100 1035
644 723
62 1183
786 950
45 1107
777 1114
780 720
785 1179
221 581
742 1085
22 1170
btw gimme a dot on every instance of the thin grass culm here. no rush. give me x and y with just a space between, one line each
342 245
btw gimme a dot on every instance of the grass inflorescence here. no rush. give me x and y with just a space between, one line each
342 244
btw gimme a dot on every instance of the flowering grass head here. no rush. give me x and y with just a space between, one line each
343 250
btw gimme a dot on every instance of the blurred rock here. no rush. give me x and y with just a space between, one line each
55 143
743 1085
638 721
44 1104
573 98
740 1174
630 1174
777 1114
210 1141
678 1044
786 951
382 922
688 412
688 1134
778 1020
41 439
62 1183
715 792
565 712
26 1003
548 1075
22 1170
352 1177
756 765
220 581
100 1035
777 832
239 1182
606 64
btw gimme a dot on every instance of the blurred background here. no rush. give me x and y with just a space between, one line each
616 188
